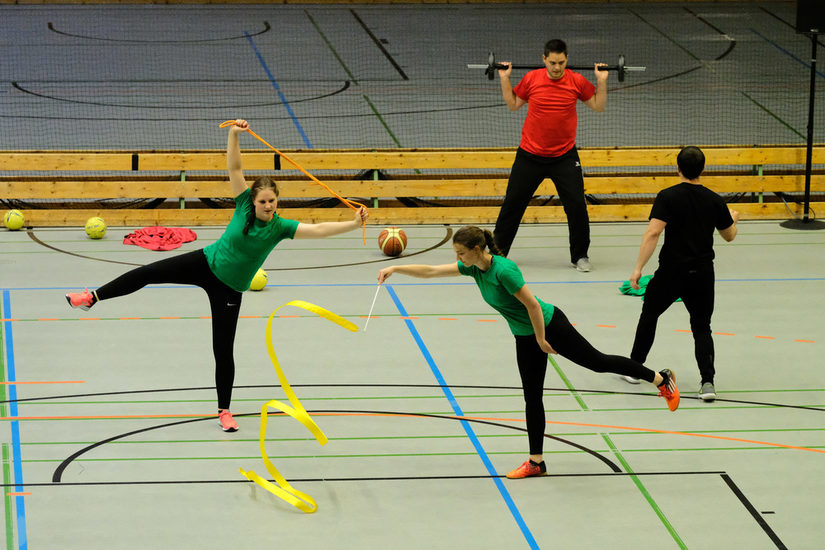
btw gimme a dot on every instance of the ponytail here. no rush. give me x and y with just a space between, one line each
471 236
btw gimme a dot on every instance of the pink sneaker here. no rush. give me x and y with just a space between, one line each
84 300
226 421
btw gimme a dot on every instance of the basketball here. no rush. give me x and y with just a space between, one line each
95 228
392 241
259 280
14 219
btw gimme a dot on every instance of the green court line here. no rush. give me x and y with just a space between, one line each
331 48
7 500
567 383
645 493
271 440
382 121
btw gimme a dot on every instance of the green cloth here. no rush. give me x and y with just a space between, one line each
643 281
235 257
497 285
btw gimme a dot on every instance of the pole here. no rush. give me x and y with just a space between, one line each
806 222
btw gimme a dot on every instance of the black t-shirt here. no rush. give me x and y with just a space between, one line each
691 212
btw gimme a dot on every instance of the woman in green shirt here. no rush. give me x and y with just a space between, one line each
538 327
225 268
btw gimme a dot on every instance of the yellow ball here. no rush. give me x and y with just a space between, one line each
259 280
14 219
95 228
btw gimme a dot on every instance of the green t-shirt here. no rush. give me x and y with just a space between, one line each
497 285
235 257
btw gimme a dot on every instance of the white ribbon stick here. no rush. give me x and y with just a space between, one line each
372 306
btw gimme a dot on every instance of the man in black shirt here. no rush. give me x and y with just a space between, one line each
688 213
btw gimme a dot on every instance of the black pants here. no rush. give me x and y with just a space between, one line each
566 340
192 268
527 173
696 289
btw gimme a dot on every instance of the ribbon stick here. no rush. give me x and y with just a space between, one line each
281 488
347 202
372 306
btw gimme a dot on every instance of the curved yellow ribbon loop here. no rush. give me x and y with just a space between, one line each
283 489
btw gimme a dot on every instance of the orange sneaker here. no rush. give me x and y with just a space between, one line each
528 469
84 300
226 421
668 389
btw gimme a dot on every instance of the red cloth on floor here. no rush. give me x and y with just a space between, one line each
160 238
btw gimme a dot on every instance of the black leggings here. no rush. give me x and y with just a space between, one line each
527 173
192 268
696 289
566 340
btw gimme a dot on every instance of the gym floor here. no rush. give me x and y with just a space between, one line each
110 439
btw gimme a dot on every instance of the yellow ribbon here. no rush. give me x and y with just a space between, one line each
281 488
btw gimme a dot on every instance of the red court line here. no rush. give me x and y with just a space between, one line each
607 426
805 341
408 317
681 330
176 317
9 319
765 337
47 319
45 382
606 326
724 333
447 319
18 494
487 320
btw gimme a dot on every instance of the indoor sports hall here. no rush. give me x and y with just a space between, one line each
110 437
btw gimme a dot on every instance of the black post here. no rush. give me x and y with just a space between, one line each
806 222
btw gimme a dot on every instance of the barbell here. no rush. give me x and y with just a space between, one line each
491 67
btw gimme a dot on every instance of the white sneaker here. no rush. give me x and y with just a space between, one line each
630 379
583 265
708 392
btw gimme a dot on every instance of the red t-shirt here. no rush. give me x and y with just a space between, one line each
550 127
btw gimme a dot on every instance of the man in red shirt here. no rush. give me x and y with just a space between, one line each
548 145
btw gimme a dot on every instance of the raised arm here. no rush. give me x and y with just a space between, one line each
420 271
328 229
649 241
599 100
513 101
233 157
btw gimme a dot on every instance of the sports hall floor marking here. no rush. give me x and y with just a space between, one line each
399 317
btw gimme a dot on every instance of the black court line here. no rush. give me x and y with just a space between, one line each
448 234
58 472
431 386
379 45
754 513
266 29
19 87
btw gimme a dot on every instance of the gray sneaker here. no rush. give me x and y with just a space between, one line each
583 265
708 392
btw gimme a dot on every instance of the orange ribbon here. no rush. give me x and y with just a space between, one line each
348 202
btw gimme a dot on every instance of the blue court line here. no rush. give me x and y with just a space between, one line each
278 89
19 501
786 52
469 430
